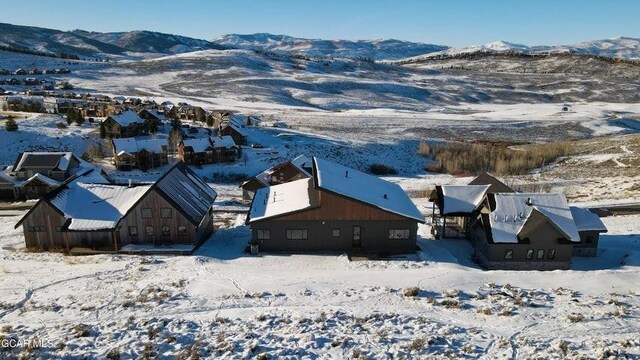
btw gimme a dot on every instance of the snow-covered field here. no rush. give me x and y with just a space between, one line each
222 302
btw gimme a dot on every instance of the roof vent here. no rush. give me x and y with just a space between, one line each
385 196
529 201
130 183
346 173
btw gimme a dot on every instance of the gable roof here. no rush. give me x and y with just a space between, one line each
236 128
154 113
133 145
365 188
222 141
52 160
39 177
189 193
100 206
301 163
586 220
198 145
512 210
460 199
283 199
495 185
127 118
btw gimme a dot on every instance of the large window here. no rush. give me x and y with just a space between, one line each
262 234
182 230
508 254
297 234
133 231
165 213
551 254
335 232
540 254
148 230
530 254
147 213
399 234
165 230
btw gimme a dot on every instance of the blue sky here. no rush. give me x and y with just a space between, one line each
454 23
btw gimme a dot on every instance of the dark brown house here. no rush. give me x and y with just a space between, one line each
36 173
127 124
524 231
210 150
589 227
173 214
238 134
131 153
298 168
339 209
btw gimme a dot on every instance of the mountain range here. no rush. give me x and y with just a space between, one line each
148 44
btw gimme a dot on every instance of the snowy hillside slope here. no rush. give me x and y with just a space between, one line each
389 49
251 80
617 47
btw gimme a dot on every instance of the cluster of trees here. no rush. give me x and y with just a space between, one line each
23 50
75 116
498 159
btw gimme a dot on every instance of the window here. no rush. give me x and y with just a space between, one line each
147 213
540 254
551 254
148 230
399 234
530 254
263 234
165 213
182 230
133 231
335 232
165 230
297 234
508 254
35 228
59 228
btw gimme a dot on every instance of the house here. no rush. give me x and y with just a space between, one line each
152 118
495 185
131 153
339 209
298 168
207 150
58 105
58 166
589 227
458 206
7 183
524 231
84 215
236 132
127 124
37 173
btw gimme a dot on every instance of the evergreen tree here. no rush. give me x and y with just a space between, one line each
11 124
103 130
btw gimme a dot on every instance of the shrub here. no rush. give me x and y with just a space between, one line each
82 330
11 124
575 317
61 125
412 291
450 303
382 169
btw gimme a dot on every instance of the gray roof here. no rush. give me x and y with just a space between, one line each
51 160
189 193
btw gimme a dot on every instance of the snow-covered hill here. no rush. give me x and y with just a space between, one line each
618 47
390 49
132 44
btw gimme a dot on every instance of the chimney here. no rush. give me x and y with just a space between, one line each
346 173
130 183
385 196
529 201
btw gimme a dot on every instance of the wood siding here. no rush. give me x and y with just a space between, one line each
44 215
335 207
194 235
